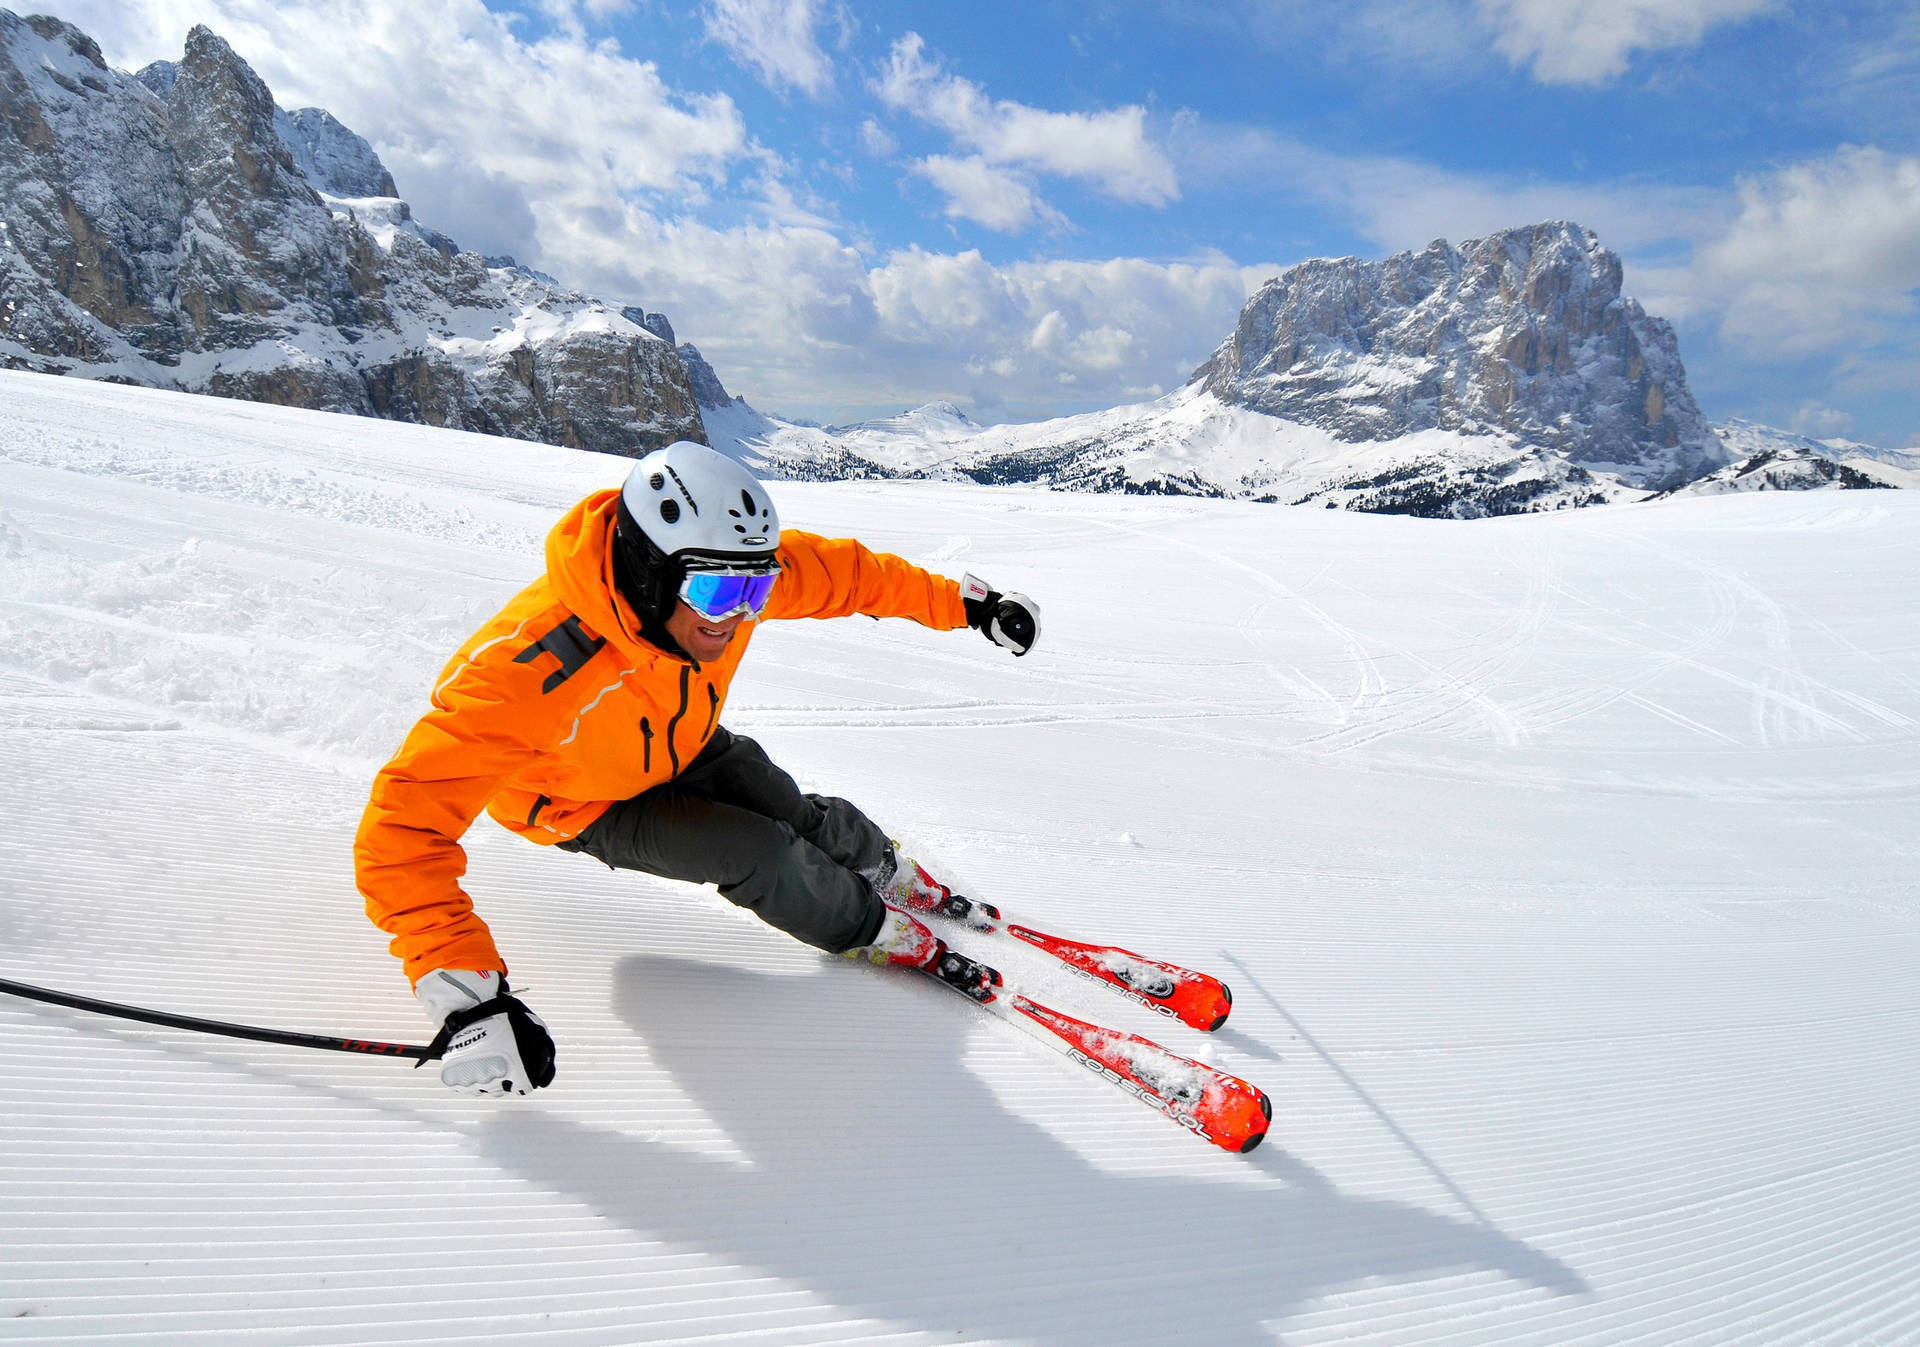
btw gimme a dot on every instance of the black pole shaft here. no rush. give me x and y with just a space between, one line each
198 1026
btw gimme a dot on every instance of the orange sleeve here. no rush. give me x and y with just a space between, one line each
838 577
407 855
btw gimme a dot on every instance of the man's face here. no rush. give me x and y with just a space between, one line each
702 637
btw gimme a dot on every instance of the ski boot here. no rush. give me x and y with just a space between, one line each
898 879
905 941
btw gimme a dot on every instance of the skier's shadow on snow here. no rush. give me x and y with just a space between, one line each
882 1175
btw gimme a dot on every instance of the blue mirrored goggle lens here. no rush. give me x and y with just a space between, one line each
718 595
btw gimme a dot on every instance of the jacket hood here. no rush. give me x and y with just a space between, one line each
580 569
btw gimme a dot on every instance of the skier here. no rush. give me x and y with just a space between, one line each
586 715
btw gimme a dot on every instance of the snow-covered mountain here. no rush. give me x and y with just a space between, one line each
1786 458
1523 334
180 230
1504 376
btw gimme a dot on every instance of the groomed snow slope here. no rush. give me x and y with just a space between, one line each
1564 867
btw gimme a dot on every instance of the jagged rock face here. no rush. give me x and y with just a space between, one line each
91 201
1524 333
708 391
333 158
258 238
178 229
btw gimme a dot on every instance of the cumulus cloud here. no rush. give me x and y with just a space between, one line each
797 319
1820 421
1117 330
1591 42
1108 150
776 39
1824 255
986 194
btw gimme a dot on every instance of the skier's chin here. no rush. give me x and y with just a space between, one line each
709 643
701 637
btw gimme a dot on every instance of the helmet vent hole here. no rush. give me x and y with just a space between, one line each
657 482
670 511
739 528
746 500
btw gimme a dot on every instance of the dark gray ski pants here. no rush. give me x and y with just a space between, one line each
734 819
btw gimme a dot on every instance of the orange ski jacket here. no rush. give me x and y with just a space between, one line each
556 708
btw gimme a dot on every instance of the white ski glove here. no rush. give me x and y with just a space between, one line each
1008 620
490 1043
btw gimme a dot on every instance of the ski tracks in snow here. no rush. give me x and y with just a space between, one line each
1562 867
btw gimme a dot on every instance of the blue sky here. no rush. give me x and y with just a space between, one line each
1041 208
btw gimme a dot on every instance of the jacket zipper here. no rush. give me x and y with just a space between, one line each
646 745
686 687
713 708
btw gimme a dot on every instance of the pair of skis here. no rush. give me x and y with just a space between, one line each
1222 1108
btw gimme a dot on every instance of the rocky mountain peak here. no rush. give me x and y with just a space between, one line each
77 42
159 76
1523 333
223 124
334 159
170 229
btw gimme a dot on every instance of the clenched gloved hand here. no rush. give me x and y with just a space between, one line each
489 1042
1010 620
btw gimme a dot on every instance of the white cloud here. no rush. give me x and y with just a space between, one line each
1400 203
876 140
566 15
776 39
1591 41
1428 42
796 319
1113 331
1824 255
1820 421
1108 150
998 198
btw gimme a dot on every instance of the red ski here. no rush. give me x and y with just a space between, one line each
1222 1108
1196 999
1199 1000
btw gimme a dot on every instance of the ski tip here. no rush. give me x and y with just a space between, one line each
1266 1114
1222 1007
1240 1123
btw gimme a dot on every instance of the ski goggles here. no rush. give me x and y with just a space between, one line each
717 595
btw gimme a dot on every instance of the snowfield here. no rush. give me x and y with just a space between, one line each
1564 867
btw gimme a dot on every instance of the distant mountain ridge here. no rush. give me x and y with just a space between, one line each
179 229
1507 375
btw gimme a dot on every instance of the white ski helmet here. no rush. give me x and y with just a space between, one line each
688 504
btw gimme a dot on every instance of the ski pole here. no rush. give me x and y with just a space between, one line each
200 1026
